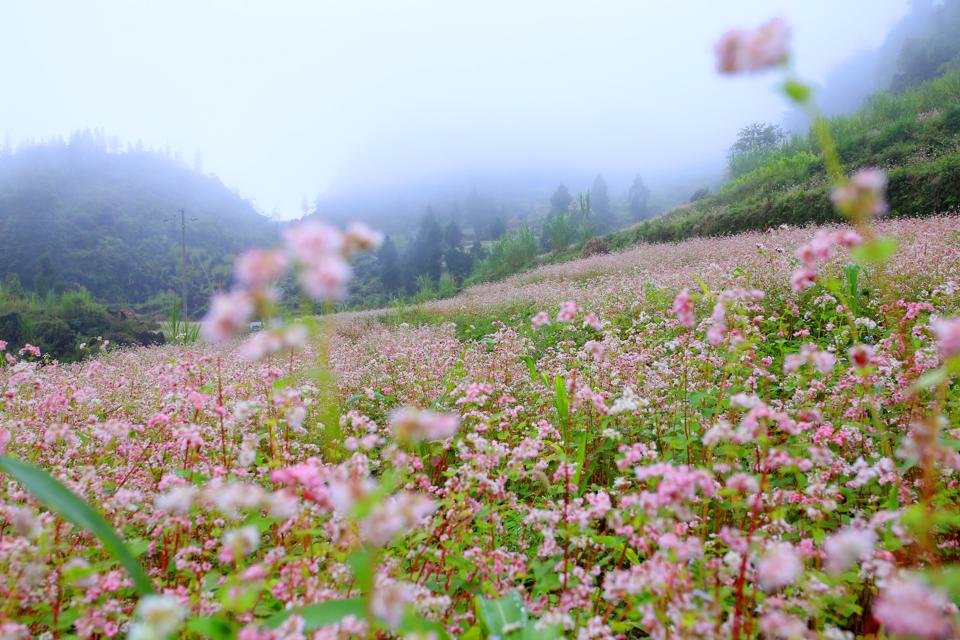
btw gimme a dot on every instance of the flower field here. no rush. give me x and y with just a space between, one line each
621 469
750 436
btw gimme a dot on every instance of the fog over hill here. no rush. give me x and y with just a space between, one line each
299 99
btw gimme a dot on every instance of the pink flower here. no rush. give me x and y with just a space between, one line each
313 241
908 608
326 278
803 278
229 313
413 425
779 567
258 268
862 195
390 599
861 356
568 311
3 345
847 547
395 515
542 318
948 336
683 309
592 321
741 51
361 237
716 332
30 349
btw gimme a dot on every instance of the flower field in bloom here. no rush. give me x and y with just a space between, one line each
670 442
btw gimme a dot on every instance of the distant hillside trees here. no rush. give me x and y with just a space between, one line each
754 143
86 214
933 53
560 200
638 199
603 216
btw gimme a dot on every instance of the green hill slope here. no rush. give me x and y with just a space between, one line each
914 136
75 215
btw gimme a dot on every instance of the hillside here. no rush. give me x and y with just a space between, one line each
914 136
78 214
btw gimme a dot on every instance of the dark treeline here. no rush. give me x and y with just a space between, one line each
482 241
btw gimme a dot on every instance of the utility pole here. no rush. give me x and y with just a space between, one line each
183 261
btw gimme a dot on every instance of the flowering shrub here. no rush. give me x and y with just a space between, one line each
683 449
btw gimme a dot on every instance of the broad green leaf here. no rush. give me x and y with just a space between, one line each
561 402
930 379
362 563
530 632
503 615
322 613
56 497
412 623
210 627
875 252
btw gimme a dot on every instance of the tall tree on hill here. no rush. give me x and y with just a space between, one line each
453 235
425 253
638 199
560 200
497 228
600 204
388 266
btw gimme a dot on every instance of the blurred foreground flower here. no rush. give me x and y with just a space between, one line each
740 50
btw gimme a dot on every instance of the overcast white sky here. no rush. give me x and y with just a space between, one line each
289 98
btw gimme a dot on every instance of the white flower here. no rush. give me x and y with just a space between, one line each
158 616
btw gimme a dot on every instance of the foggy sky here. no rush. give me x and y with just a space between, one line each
285 99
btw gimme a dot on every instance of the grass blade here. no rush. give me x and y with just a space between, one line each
56 497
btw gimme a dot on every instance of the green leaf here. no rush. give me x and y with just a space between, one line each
412 623
362 563
210 627
322 613
507 612
56 497
930 379
875 252
797 91
530 632
561 402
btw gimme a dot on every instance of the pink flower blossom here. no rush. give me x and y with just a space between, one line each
228 315
313 241
361 237
258 268
542 318
414 425
908 608
683 308
740 51
861 356
847 547
948 336
779 567
568 311
326 278
862 195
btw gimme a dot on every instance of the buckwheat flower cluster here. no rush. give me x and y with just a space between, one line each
750 51
819 251
414 425
317 252
862 196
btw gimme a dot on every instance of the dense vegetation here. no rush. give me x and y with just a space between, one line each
69 325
